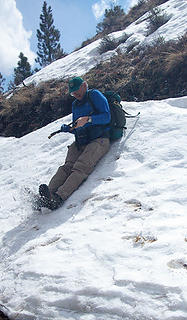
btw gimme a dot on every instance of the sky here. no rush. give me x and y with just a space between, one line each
76 21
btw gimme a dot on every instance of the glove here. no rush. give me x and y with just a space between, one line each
65 128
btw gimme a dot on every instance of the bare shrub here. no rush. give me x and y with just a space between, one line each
156 19
107 43
131 46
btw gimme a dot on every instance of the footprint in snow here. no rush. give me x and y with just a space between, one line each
72 205
95 197
134 202
137 205
178 263
108 179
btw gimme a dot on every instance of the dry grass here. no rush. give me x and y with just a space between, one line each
146 73
32 107
176 61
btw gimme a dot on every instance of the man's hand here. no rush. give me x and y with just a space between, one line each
80 122
65 128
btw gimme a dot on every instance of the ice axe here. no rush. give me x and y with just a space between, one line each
73 124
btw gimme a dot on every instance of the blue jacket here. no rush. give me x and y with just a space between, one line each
99 127
84 108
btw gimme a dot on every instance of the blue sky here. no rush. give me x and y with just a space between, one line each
75 19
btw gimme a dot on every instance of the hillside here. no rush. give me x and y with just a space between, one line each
140 67
117 248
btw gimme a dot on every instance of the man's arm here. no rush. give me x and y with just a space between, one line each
100 102
101 113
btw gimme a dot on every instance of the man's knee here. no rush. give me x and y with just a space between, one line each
82 169
67 167
88 160
91 155
59 178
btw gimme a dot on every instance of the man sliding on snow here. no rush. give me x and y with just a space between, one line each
91 131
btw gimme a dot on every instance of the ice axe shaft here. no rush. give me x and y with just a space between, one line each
53 134
73 124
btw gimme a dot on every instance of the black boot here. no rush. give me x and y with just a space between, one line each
49 201
39 202
44 191
56 202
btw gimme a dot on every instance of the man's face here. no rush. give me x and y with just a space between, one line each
79 94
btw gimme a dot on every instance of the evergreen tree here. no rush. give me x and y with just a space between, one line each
49 48
1 83
11 85
113 20
23 70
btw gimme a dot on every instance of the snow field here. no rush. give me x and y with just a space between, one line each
117 248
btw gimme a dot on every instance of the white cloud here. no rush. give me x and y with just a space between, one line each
99 7
14 38
132 3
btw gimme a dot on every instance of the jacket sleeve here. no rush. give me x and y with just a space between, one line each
102 107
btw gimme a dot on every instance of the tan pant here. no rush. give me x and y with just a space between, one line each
78 165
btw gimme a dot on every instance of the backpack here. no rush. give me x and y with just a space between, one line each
118 115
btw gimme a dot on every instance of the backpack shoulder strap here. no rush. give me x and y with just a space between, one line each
91 101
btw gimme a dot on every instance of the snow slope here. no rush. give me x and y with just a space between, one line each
117 248
81 61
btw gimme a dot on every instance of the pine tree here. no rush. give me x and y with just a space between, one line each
49 48
113 20
23 69
1 83
11 85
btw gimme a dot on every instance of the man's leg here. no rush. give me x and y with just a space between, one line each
64 171
83 166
